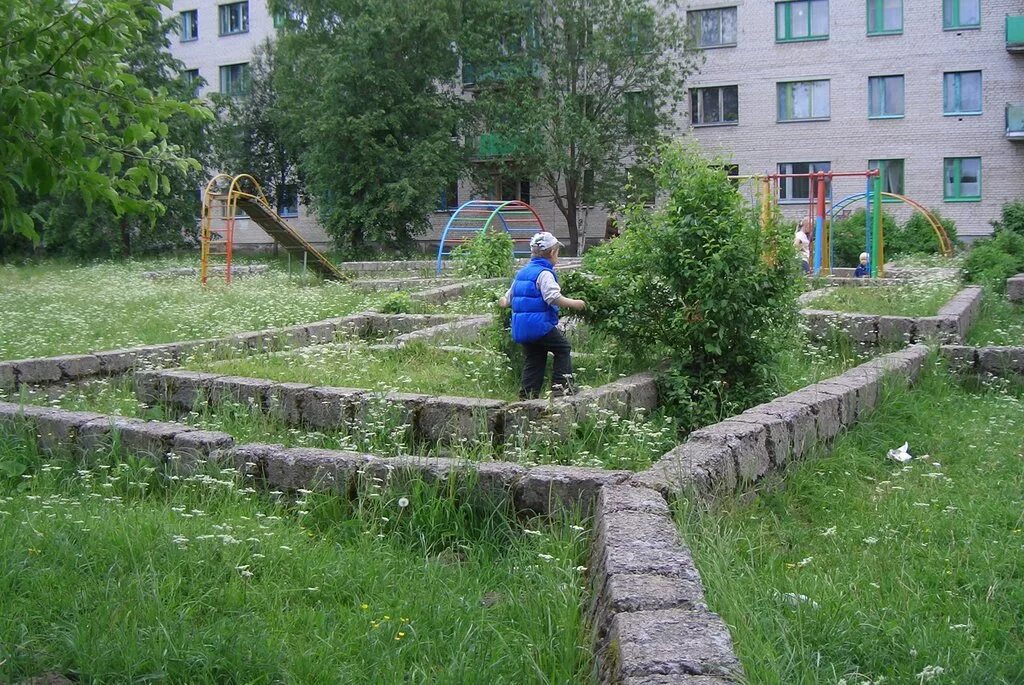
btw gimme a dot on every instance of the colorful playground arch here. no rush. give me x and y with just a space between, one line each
515 217
945 245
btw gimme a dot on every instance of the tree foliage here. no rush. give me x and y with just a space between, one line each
579 90
698 282
371 110
917 236
78 119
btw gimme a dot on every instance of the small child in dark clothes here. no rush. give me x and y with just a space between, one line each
863 270
535 297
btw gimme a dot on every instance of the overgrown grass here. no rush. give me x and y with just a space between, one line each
56 308
920 298
1001 322
112 573
862 570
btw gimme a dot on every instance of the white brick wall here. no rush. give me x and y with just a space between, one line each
849 139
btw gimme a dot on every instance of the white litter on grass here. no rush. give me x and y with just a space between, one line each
901 454
794 600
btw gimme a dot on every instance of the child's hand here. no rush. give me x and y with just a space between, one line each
579 305
503 302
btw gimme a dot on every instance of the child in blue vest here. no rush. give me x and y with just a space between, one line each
863 269
535 297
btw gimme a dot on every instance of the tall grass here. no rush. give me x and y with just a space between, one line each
111 572
920 298
862 570
1001 322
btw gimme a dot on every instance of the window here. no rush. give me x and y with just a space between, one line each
288 201
713 28
892 175
642 187
803 100
961 92
885 96
885 16
718 105
961 14
799 189
448 198
963 179
801 20
192 78
639 111
234 79
189 25
234 18
511 189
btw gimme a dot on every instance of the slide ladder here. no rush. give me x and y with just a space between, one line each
243 194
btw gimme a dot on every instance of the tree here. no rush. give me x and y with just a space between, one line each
577 91
75 120
371 111
249 136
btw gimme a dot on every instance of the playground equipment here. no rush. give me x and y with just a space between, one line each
224 199
767 193
515 217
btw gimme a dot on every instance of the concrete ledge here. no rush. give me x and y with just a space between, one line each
950 325
735 453
992 360
1015 288
217 270
454 291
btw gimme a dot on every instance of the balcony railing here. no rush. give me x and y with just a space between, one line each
1015 33
1015 122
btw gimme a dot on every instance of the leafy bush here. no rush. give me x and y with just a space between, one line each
990 262
848 237
1012 218
917 236
488 255
699 283
401 303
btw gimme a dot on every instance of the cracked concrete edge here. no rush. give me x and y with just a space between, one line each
992 360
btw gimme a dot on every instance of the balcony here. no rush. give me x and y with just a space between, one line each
1015 122
474 77
493 146
1015 34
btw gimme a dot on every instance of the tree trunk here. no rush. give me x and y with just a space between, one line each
126 237
571 208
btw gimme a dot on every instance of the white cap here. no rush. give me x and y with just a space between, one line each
864 255
544 240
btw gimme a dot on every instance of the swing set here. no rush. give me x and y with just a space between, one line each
767 191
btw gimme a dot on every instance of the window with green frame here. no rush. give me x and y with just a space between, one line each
891 171
961 92
801 20
885 16
961 14
234 79
798 100
962 179
885 97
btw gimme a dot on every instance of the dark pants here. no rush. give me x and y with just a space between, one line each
537 360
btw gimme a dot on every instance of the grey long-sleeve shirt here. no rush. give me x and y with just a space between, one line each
548 286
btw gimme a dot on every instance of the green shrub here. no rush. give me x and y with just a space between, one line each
848 237
695 282
488 255
990 262
1012 218
917 236
401 303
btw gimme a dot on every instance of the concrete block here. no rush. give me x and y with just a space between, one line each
632 542
76 366
116 361
150 387
150 439
8 379
820 323
188 390
624 592
330 408
1001 361
404 407
320 332
57 429
36 371
250 460
699 469
673 642
157 356
616 498
101 435
191 449
522 418
868 382
249 392
313 469
896 330
1015 288
284 401
847 395
643 392
551 489
748 442
400 473
861 328
825 407
798 417
678 679
779 439
496 480
961 359
943 329
16 417
450 419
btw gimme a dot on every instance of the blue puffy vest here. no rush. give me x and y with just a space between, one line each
532 317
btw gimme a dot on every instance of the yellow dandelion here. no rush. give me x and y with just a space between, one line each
364 607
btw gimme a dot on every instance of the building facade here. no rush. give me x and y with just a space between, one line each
929 91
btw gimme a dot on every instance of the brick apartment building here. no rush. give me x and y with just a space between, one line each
930 91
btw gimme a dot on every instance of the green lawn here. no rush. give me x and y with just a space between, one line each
923 298
863 570
1001 322
109 573
60 308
